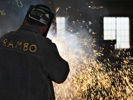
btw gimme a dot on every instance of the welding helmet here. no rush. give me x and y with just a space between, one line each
42 15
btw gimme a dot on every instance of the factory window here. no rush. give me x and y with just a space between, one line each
60 25
117 28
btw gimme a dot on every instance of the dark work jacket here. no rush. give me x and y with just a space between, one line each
29 63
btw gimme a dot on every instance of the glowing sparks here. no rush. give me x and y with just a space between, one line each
89 79
57 9
95 7
2 13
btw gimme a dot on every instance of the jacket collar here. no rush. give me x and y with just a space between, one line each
29 28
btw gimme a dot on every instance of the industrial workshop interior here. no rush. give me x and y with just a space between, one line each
94 36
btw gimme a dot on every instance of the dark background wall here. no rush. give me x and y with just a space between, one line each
80 14
93 11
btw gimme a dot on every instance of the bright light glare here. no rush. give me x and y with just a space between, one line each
117 28
61 22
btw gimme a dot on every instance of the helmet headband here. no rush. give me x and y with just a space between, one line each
41 14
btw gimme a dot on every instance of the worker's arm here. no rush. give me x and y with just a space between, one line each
56 67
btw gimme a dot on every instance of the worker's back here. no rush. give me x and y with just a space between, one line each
28 64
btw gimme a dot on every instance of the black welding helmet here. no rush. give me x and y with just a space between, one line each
41 14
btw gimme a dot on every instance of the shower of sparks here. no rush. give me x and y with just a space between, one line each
89 79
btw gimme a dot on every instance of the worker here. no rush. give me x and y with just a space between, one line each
29 61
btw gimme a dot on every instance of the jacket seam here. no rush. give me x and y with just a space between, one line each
43 65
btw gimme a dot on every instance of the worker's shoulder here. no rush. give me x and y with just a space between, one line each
49 41
5 35
44 39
